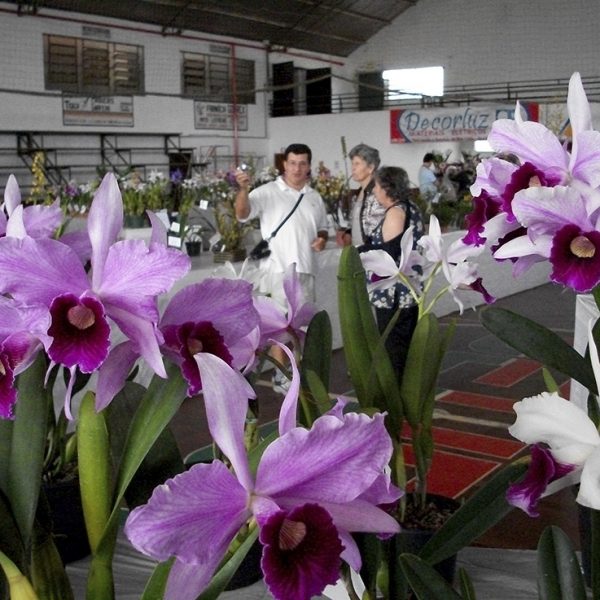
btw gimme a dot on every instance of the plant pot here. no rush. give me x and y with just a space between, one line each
193 248
418 529
230 255
68 524
134 221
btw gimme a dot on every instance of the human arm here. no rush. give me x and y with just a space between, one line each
242 201
394 222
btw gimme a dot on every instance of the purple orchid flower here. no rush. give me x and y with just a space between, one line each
542 471
310 490
22 334
275 322
39 221
215 316
559 228
126 278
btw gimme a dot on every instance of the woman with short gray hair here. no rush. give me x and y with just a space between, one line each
366 211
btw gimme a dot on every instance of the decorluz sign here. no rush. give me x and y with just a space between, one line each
443 124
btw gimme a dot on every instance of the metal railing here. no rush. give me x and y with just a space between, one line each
543 91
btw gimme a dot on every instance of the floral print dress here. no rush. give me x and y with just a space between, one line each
399 295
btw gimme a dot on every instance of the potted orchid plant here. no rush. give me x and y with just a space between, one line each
541 205
104 322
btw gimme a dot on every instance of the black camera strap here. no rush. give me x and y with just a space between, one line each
274 232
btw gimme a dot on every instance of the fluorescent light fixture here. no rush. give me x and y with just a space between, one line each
483 146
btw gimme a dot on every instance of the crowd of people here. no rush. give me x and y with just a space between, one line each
381 213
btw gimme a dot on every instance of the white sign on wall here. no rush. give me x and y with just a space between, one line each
219 115
451 124
114 111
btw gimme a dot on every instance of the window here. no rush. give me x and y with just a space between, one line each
88 66
210 77
404 84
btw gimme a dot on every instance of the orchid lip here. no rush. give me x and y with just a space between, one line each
291 534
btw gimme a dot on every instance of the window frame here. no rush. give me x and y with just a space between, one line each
93 67
207 77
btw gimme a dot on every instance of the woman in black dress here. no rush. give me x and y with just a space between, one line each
392 191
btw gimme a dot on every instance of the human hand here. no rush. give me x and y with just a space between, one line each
318 244
242 178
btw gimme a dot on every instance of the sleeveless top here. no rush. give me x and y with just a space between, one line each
398 295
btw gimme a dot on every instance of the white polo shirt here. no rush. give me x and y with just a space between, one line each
271 203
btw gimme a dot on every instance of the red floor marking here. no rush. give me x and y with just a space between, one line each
565 389
473 442
478 400
510 373
452 475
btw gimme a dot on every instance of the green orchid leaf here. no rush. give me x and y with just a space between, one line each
596 294
539 343
24 473
157 408
48 575
467 590
421 370
10 538
370 549
95 468
483 509
227 570
559 573
368 363
163 460
425 581
155 588
315 368
549 381
6 427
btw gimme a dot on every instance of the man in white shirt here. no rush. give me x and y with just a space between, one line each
303 234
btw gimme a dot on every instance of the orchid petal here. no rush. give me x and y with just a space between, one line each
79 242
330 461
351 553
132 270
113 373
226 395
12 195
15 227
578 106
530 141
42 221
225 303
186 582
545 210
289 406
585 159
159 231
105 221
524 246
565 427
51 267
379 262
142 332
204 503
360 515
589 488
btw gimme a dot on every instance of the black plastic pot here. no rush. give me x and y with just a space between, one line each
193 248
66 515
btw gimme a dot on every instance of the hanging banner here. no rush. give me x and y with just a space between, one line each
100 111
451 124
219 115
